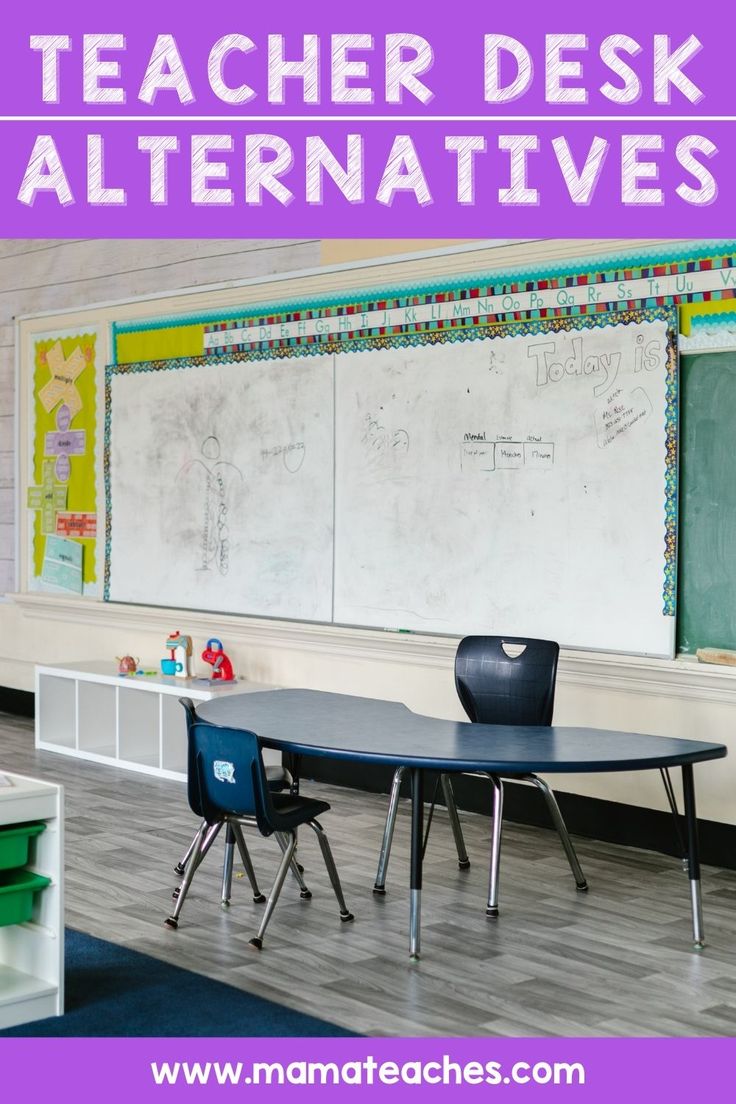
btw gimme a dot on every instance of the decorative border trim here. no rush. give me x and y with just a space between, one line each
710 331
461 332
713 321
601 268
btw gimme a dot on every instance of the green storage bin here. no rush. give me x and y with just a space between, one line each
15 842
17 888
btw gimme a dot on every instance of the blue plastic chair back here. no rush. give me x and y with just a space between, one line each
226 773
193 795
495 688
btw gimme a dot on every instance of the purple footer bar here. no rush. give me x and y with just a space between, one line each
134 1071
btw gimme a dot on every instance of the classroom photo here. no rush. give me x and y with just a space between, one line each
368 638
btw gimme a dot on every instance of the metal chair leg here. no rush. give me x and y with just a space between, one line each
273 896
181 866
388 831
324 845
462 855
227 867
237 831
561 827
304 892
492 906
205 838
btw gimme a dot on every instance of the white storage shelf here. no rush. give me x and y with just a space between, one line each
89 711
32 954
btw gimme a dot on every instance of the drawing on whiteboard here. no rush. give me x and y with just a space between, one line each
382 444
620 414
496 361
219 477
551 370
291 454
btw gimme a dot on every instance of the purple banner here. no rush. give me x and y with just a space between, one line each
596 1070
437 123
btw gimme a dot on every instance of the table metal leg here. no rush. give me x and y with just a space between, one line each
417 831
492 906
693 858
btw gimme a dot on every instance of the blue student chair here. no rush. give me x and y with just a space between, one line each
279 779
228 785
496 687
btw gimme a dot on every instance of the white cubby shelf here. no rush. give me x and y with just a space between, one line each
89 711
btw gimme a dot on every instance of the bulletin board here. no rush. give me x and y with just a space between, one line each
62 495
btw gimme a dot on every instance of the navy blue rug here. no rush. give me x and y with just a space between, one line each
111 990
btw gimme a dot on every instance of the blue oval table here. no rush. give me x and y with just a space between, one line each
365 730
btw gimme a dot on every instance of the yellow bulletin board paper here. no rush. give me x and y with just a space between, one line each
159 343
64 374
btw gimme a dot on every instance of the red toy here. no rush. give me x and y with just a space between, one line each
213 654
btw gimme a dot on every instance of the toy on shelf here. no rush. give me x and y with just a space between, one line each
127 665
179 662
222 668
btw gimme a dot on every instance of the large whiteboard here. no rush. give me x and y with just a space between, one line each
517 483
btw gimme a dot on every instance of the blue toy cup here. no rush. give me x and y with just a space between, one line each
171 666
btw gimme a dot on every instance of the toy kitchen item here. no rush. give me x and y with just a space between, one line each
222 668
171 667
180 652
127 665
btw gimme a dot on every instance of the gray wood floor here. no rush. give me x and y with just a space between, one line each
614 961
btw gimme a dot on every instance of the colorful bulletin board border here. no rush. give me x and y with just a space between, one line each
698 277
414 335
63 472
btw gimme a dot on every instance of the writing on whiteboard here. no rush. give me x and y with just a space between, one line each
291 454
620 414
647 355
552 366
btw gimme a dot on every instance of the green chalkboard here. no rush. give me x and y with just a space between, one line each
707 529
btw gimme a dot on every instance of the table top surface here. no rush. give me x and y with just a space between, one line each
339 726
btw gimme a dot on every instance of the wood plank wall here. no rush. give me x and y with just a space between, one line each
43 275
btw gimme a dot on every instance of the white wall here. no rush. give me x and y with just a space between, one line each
679 698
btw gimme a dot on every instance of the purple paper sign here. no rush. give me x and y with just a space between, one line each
601 1071
580 118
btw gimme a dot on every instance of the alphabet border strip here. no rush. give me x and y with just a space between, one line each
702 280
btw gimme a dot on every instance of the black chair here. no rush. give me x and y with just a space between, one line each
229 786
279 779
496 687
